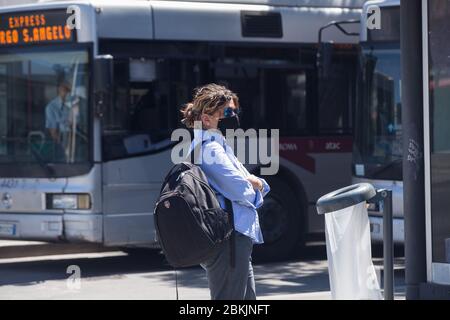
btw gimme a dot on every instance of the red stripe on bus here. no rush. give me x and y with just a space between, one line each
297 150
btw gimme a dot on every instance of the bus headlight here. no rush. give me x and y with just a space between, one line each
69 201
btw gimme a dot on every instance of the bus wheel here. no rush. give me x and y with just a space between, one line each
281 219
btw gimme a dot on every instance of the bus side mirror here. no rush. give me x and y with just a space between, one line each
103 83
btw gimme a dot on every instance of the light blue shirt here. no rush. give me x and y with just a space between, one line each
228 177
57 115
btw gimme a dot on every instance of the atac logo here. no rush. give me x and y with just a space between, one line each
333 146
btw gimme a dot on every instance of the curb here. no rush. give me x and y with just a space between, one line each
35 249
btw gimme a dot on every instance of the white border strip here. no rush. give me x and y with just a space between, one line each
426 135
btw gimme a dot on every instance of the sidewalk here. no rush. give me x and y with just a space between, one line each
37 270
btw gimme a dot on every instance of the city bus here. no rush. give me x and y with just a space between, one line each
377 149
91 91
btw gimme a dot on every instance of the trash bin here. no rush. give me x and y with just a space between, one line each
347 229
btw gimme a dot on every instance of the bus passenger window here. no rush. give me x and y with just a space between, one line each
146 107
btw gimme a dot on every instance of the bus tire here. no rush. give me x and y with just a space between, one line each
282 220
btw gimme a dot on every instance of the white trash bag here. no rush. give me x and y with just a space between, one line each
352 273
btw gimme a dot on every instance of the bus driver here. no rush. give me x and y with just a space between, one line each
58 120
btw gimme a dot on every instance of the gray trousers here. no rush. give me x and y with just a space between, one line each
227 283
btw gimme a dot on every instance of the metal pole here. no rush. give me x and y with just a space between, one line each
413 146
388 245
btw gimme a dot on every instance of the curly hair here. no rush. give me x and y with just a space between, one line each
207 100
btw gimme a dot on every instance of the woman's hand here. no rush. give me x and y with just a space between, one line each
256 182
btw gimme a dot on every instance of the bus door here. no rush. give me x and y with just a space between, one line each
313 112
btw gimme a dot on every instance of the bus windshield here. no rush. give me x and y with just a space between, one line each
44 107
378 125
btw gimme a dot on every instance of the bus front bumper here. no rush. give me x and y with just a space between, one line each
52 227
376 230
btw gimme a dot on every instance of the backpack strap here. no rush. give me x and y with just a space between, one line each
229 210
228 206
197 150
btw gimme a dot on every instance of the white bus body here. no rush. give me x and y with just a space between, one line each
116 187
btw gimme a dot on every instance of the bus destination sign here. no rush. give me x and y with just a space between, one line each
32 28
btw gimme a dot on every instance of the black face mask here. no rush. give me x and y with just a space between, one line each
228 123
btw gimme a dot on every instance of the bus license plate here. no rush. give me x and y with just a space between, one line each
7 229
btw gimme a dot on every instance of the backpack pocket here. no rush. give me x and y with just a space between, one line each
219 224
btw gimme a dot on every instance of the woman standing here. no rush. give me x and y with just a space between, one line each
216 109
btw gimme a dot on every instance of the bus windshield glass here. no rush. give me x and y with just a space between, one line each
378 125
44 107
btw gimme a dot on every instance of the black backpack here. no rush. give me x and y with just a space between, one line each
189 221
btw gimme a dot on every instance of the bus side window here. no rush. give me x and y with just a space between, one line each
137 122
146 106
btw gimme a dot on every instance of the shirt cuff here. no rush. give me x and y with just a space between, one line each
266 187
258 199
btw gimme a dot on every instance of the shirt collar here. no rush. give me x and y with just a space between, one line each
59 101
